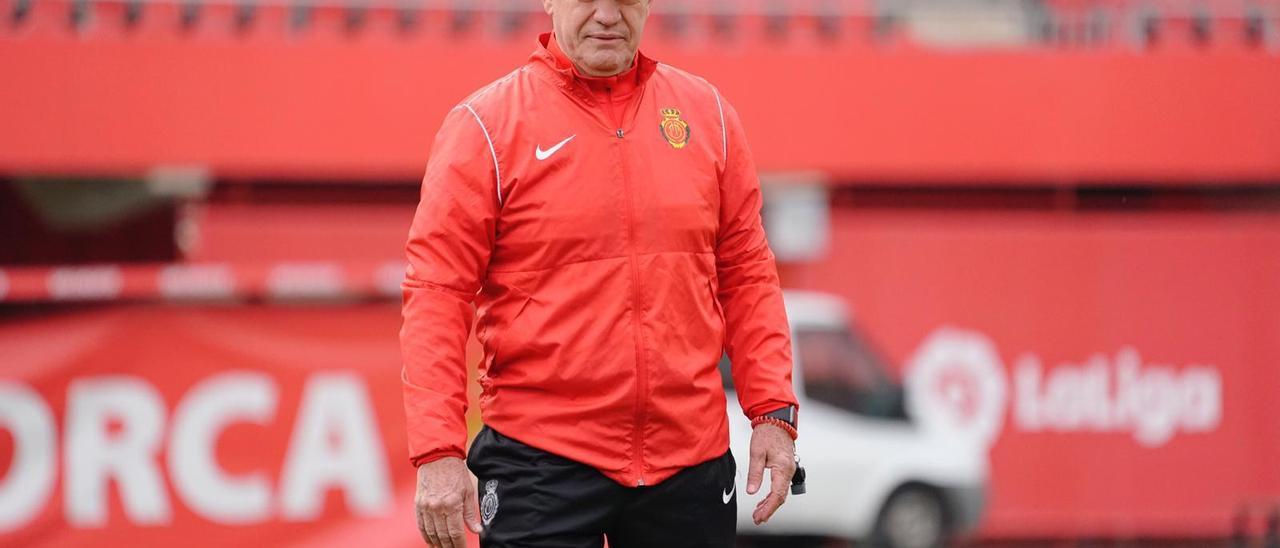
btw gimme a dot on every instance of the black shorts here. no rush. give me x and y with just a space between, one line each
532 498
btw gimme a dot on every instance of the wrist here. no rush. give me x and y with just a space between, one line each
432 456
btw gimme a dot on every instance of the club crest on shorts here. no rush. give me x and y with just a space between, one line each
489 504
674 129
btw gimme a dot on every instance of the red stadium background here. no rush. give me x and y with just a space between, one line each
1081 203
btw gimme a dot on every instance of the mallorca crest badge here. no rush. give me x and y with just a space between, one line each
489 504
674 129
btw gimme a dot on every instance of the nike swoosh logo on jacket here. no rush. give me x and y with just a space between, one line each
544 154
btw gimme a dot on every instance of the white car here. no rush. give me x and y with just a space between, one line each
872 474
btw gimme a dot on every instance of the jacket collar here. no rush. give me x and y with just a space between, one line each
550 60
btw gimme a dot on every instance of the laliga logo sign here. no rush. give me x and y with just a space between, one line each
957 386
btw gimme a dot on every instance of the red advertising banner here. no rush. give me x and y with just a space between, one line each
204 426
1121 367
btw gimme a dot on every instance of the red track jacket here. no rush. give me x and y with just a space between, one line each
609 232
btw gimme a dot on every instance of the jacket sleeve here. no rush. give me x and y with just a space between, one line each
448 252
758 338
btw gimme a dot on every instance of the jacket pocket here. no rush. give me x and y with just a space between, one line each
715 301
494 360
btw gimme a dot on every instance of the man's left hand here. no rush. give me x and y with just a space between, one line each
772 448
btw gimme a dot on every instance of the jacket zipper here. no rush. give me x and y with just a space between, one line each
642 370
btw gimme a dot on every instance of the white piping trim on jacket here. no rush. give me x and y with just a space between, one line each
724 129
497 171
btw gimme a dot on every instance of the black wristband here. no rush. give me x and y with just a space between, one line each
786 414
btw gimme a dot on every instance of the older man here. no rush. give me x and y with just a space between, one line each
603 213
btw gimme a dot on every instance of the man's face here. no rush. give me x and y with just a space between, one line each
599 36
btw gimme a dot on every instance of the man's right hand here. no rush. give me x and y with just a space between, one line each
446 498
